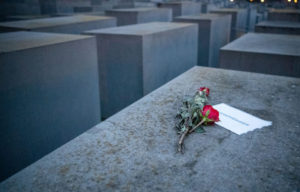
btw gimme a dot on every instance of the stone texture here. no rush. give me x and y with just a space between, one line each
182 8
69 24
238 22
214 33
284 15
49 94
263 53
281 27
140 15
135 150
134 60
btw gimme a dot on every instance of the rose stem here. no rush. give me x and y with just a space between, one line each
202 121
180 143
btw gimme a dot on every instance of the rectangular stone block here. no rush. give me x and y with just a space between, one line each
207 7
83 9
264 53
68 24
238 20
19 7
281 27
62 6
49 94
284 15
214 33
135 150
140 15
182 8
134 60
251 18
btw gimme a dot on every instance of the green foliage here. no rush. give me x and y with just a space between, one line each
190 114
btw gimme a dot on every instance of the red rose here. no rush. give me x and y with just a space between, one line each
205 89
210 114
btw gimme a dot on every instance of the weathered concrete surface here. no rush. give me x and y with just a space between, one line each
134 60
284 15
281 27
264 53
69 24
49 94
238 20
135 150
182 8
140 15
214 33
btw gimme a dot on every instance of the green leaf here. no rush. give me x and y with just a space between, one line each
200 130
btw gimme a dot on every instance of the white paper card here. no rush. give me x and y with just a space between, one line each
238 121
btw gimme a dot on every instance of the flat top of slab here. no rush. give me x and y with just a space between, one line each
15 41
284 11
139 9
281 24
209 16
135 150
266 43
53 21
141 29
227 10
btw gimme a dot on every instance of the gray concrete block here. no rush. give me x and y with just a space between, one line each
82 9
140 15
263 53
284 15
238 20
62 6
134 60
135 150
69 24
182 8
207 7
49 94
214 33
251 18
281 27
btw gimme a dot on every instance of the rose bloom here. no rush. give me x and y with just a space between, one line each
205 89
213 114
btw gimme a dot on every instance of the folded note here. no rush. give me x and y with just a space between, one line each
238 121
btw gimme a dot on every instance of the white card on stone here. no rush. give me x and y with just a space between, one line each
238 121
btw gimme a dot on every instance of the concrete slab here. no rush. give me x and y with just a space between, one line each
214 33
82 9
140 15
281 27
284 15
263 53
182 8
207 7
49 94
62 6
135 150
134 60
251 18
69 24
238 22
